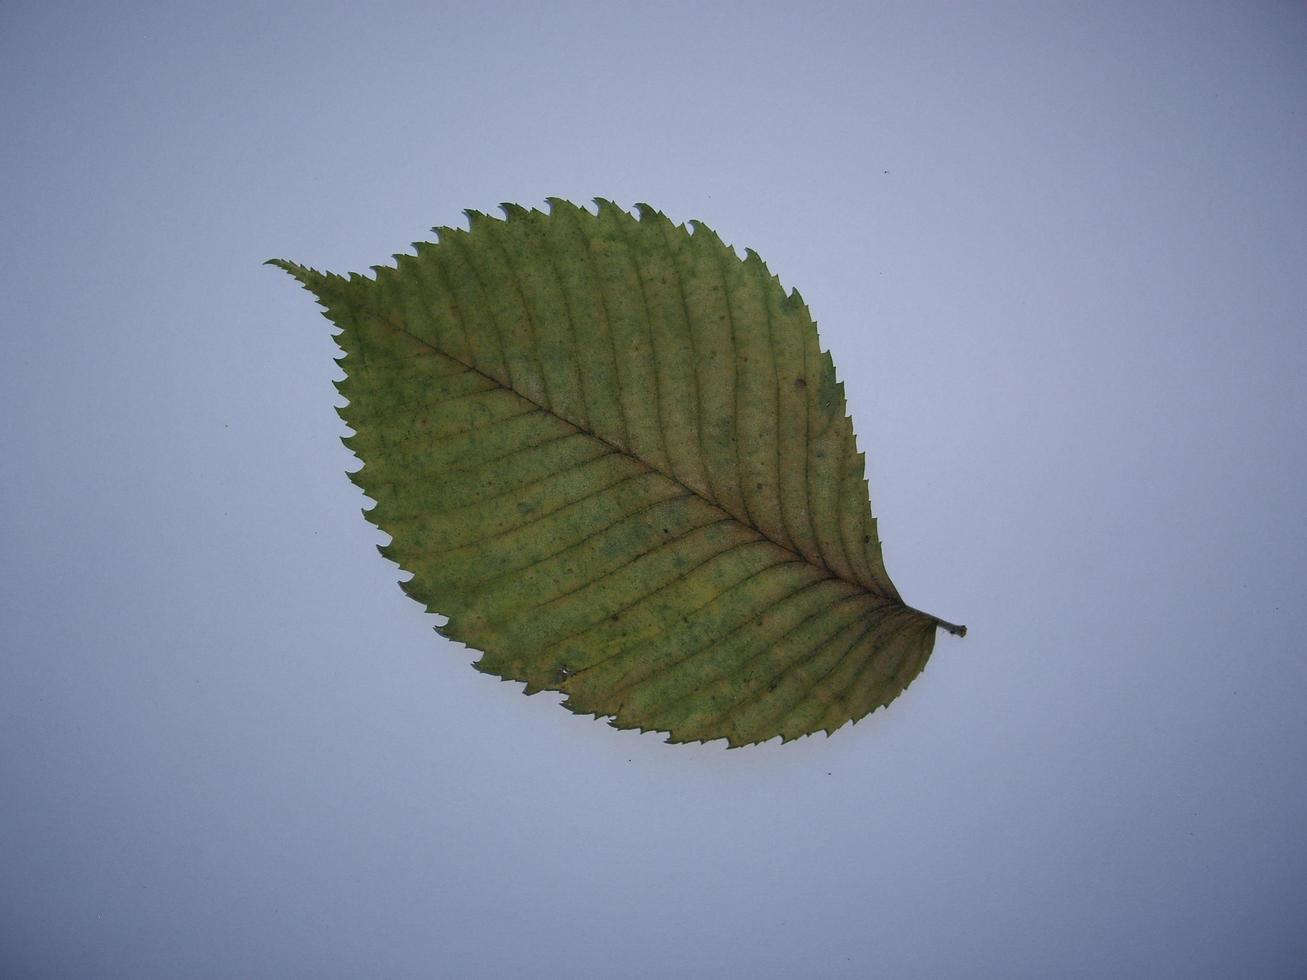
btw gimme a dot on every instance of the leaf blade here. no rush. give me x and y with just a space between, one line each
615 456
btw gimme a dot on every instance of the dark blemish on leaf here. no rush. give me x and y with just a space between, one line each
800 384
866 539
829 386
525 507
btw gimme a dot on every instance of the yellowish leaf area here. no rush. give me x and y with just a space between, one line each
613 454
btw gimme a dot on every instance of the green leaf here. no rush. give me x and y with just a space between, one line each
613 454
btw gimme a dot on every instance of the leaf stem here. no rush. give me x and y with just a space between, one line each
942 624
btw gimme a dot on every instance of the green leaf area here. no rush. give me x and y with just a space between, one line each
613 454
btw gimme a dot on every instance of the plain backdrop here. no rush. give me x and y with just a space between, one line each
1058 252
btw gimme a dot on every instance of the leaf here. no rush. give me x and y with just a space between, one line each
615 457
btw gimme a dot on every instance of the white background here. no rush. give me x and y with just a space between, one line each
1058 252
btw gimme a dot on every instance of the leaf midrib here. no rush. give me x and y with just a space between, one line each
389 323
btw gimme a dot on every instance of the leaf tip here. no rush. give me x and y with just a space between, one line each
318 283
300 272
